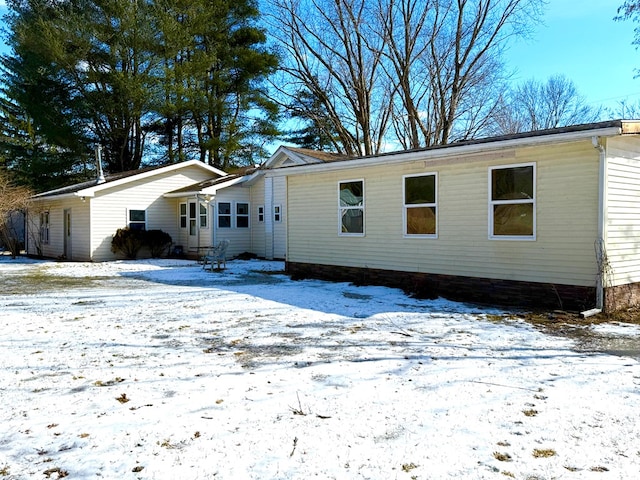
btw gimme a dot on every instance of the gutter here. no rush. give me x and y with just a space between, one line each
602 222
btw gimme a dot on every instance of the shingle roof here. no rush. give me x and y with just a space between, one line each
322 156
111 177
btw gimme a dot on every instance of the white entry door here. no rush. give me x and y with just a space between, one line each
192 225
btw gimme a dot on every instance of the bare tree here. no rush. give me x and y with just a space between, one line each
412 72
14 199
534 105
465 57
334 53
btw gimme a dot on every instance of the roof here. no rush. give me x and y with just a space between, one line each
568 133
207 186
322 156
89 188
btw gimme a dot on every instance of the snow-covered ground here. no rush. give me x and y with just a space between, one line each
159 370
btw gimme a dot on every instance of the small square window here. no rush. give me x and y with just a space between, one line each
137 219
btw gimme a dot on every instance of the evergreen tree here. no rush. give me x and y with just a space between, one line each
186 76
215 62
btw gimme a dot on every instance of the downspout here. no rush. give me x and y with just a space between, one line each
600 241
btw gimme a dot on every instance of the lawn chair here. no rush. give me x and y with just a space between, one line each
217 255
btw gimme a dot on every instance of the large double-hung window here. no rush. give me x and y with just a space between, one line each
420 205
351 207
512 202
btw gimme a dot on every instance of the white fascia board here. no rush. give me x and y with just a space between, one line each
191 193
91 191
283 152
214 188
205 191
63 196
447 152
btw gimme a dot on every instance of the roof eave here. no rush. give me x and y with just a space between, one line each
453 150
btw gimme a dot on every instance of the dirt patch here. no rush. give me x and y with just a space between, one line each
572 326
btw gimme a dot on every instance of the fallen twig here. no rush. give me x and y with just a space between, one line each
298 411
295 442
403 333
507 386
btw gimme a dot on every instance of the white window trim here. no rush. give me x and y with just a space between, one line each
534 201
237 215
185 216
277 212
261 213
362 207
203 215
405 206
230 215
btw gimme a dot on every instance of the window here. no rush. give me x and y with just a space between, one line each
512 204
242 215
277 213
44 228
137 219
224 215
351 210
261 213
420 209
183 215
203 215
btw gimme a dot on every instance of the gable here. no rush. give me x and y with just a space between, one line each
194 170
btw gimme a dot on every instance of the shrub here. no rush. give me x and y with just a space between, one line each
128 242
157 241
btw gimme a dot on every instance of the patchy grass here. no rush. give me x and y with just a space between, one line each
502 457
543 452
39 280
407 467
123 398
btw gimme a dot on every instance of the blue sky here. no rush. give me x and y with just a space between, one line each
578 38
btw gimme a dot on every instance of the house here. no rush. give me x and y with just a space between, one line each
78 222
547 219
248 208
196 204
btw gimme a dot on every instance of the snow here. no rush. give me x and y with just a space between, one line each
159 370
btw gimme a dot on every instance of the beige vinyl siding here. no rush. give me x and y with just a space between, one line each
280 228
239 238
80 230
258 234
55 247
566 206
78 246
110 206
623 210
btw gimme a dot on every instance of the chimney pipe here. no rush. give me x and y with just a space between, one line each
100 178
